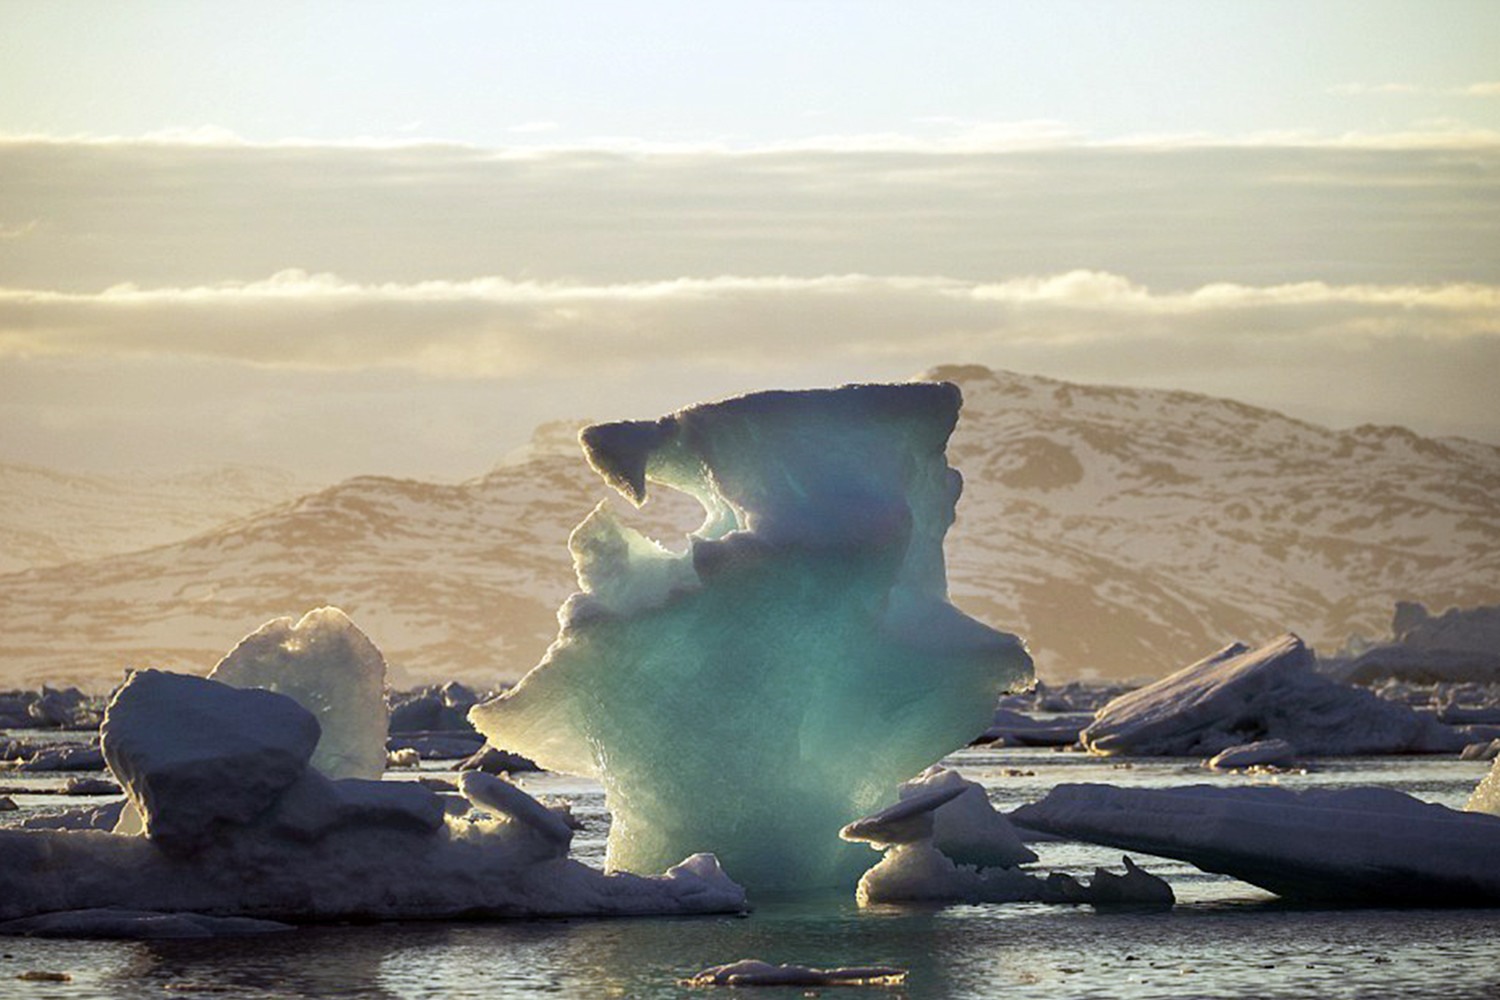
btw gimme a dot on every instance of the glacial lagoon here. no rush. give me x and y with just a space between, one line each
1222 939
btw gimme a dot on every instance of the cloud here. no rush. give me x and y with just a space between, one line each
496 327
183 215
533 127
1485 88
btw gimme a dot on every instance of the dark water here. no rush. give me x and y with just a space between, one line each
1223 939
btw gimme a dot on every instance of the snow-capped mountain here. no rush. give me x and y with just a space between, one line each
1122 532
52 517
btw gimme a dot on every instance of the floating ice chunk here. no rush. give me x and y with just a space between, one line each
1347 845
550 830
193 754
63 757
238 824
1275 753
435 708
1019 729
967 828
755 692
1483 750
918 872
1239 695
325 664
754 972
1137 887
941 803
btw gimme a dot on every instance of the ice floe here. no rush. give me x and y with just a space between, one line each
1352 845
1241 695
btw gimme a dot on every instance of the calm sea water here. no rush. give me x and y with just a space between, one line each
1223 939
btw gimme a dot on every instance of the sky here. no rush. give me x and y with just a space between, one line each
345 238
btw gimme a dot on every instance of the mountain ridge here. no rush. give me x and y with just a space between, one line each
1121 531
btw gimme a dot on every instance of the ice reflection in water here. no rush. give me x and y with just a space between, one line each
1226 940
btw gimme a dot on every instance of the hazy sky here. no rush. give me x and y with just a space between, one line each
391 238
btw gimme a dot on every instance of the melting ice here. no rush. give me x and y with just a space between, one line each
784 672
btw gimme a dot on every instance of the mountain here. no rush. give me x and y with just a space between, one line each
53 517
1125 532
1122 532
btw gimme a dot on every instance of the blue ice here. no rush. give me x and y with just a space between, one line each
782 673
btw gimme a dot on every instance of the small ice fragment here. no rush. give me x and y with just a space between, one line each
498 795
1137 887
1261 753
753 972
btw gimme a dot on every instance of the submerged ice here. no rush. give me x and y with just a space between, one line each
776 679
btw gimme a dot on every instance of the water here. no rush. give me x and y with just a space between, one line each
1223 939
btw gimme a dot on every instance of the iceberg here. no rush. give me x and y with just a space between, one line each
327 665
1241 695
754 692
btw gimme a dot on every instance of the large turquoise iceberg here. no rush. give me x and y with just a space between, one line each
783 672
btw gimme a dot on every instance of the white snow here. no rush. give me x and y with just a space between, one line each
1240 695
1347 845
327 665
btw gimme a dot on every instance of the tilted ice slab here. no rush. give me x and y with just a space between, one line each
235 823
327 665
774 680
1240 695
1349 845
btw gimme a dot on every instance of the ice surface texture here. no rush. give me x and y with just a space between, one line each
778 677
325 664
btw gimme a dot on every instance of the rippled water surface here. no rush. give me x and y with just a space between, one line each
1223 939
